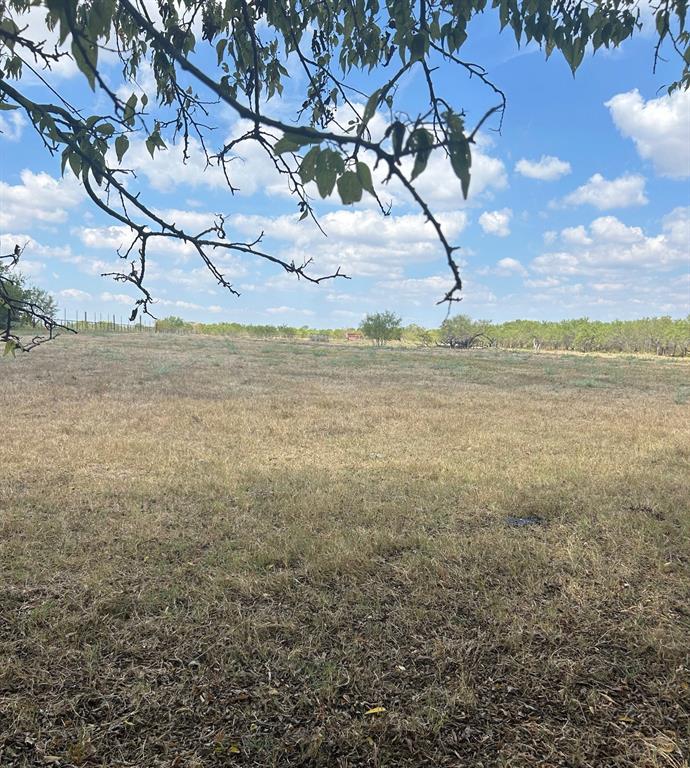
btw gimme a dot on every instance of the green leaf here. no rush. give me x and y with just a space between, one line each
398 133
10 348
155 141
420 142
461 160
307 169
418 47
349 188
364 176
220 49
86 58
121 146
291 142
459 150
130 108
370 108
106 130
4 107
74 163
328 165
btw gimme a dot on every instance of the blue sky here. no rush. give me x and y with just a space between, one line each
580 206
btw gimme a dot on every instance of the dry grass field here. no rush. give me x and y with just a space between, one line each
220 553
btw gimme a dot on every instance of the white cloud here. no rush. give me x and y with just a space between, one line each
509 266
610 248
623 192
423 290
608 287
33 248
33 22
289 310
12 125
168 253
440 187
145 83
179 304
547 168
123 298
574 235
249 169
167 171
496 222
609 229
117 298
74 293
546 282
676 227
31 268
659 127
433 287
39 200
362 242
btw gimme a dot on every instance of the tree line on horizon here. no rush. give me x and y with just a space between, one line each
651 335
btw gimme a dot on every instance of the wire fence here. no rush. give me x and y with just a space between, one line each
97 322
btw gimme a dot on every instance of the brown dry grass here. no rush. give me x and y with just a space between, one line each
221 553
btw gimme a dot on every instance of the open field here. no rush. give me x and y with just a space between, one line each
218 553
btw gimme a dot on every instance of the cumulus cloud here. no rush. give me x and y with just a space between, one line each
249 169
611 248
574 235
39 200
676 227
431 287
170 254
440 187
289 310
420 291
505 267
660 129
33 23
12 125
609 229
180 304
117 298
75 294
625 191
509 266
547 168
544 282
362 242
33 247
496 222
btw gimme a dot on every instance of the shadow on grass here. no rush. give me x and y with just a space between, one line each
259 624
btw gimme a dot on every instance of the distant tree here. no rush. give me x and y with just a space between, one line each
172 323
417 334
382 327
461 332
